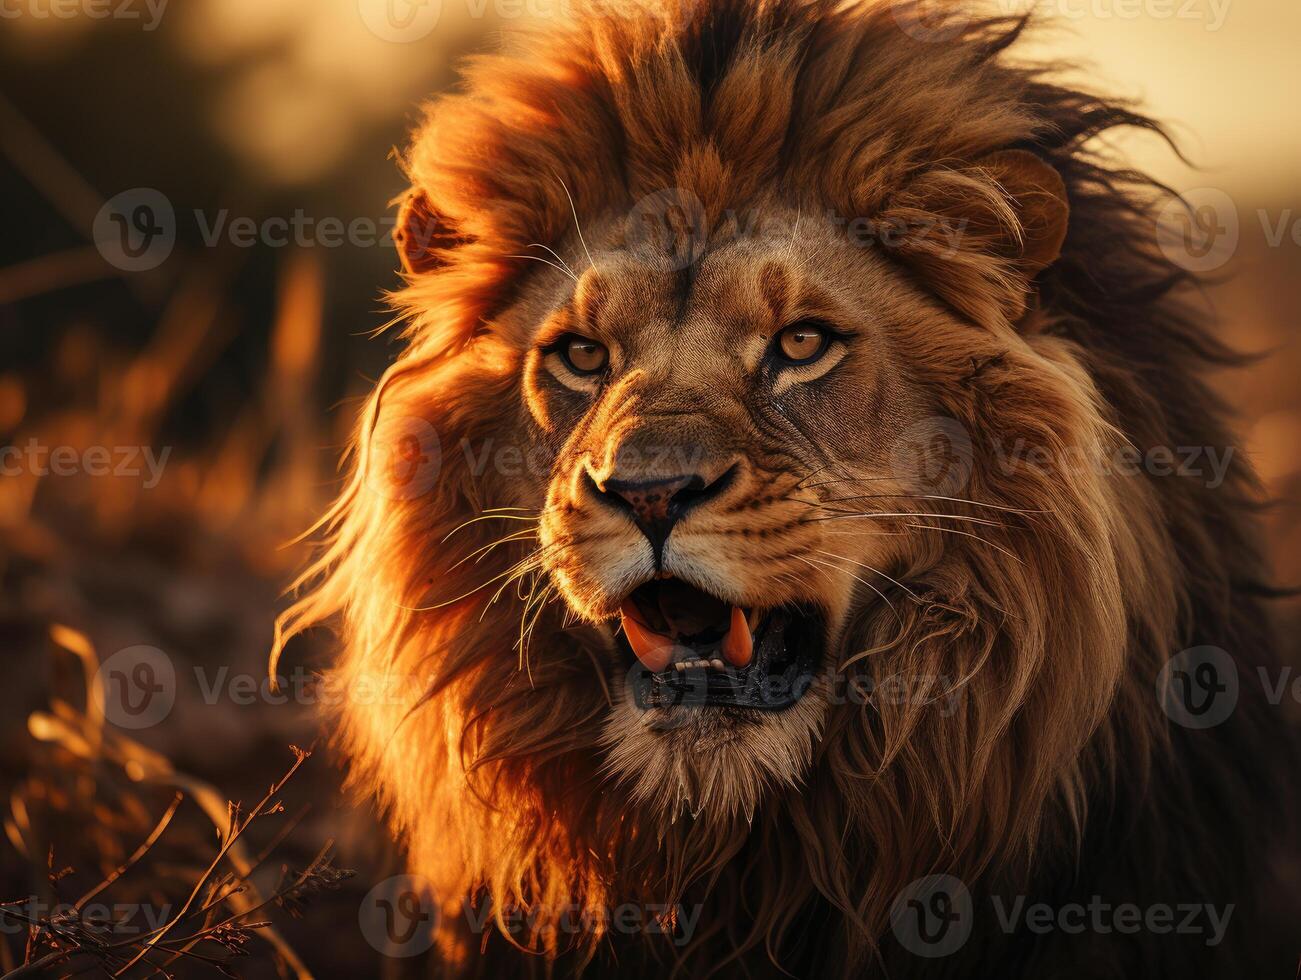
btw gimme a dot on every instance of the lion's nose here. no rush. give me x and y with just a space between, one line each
657 505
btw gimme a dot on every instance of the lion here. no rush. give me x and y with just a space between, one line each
741 535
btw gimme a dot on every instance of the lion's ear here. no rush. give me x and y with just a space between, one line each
979 235
1038 196
425 239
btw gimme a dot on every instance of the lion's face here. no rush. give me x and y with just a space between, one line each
771 464
721 427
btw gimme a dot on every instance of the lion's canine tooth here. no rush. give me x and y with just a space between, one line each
738 645
680 666
716 664
651 648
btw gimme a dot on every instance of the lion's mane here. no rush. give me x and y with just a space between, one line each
1058 776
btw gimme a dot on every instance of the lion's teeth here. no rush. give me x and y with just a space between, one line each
716 664
738 645
651 648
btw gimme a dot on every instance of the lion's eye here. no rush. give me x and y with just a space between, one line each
584 355
802 343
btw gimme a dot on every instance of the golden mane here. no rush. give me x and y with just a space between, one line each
490 769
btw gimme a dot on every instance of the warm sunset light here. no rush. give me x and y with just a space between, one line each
759 488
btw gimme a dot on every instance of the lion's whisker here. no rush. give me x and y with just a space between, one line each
835 568
559 258
932 496
968 534
510 574
483 551
527 625
486 517
821 469
871 569
838 515
859 479
538 258
577 226
867 514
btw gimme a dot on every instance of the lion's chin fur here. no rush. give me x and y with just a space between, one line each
711 763
510 771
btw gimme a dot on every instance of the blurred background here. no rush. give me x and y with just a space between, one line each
246 145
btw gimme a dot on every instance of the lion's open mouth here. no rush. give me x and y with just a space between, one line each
692 648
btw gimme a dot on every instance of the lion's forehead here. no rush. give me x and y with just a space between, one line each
708 315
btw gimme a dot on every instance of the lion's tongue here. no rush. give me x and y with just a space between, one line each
655 650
